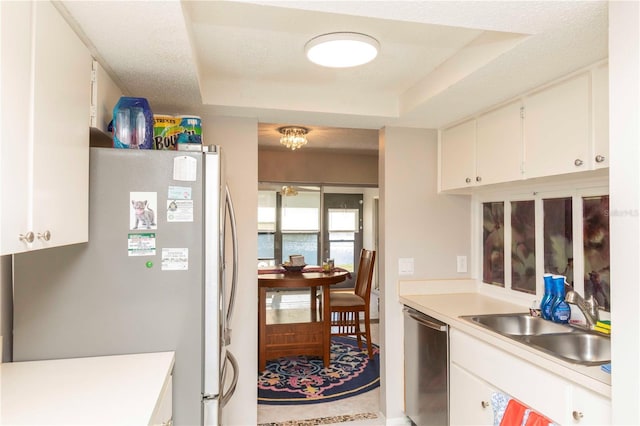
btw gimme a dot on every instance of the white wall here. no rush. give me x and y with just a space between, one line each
415 223
624 180
239 140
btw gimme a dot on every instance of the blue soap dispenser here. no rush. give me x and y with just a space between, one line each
547 298
560 311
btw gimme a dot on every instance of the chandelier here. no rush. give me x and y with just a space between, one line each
288 191
293 137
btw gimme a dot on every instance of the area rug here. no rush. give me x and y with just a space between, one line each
305 380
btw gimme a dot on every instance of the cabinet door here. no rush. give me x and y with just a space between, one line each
600 94
589 408
457 156
104 96
60 130
15 95
499 145
470 399
556 129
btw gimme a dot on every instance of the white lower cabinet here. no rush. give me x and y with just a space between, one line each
163 415
470 404
478 369
589 408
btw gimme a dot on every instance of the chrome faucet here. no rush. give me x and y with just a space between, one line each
588 307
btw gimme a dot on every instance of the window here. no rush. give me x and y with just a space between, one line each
595 217
567 229
266 228
288 224
523 246
343 226
493 243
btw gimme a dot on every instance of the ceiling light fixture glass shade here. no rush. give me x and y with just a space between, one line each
342 50
293 137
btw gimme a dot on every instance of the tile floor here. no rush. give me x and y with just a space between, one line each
355 411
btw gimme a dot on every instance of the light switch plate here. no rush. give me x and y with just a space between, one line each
461 264
405 266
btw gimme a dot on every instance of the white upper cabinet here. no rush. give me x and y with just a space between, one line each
457 156
105 94
15 86
499 145
45 165
557 128
482 151
600 103
561 129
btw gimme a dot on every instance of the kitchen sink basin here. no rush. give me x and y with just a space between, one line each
581 348
518 324
566 342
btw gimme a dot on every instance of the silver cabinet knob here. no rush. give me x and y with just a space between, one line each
578 162
484 404
478 179
577 415
27 238
600 158
45 236
468 180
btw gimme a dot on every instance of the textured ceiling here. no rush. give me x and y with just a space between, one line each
440 60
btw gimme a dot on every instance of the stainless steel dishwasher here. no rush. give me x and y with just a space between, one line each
426 369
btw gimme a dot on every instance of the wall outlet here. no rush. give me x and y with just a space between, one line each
405 266
461 264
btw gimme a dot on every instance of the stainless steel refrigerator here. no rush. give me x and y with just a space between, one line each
151 278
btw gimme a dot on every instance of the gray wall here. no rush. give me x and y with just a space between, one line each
6 307
317 166
416 223
239 140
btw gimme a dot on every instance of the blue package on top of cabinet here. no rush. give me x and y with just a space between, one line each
132 124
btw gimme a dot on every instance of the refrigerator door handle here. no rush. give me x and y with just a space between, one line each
225 396
234 276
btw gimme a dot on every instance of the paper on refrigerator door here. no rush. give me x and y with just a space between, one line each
175 259
185 168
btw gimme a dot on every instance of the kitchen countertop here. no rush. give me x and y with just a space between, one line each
449 307
106 390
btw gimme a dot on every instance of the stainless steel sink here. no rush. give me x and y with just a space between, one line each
581 348
518 324
563 341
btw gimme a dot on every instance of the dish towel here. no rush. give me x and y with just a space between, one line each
514 414
509 412
606 368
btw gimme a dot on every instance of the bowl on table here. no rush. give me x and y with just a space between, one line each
292 268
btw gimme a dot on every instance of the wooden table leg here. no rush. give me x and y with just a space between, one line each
262 328
326 318
312 303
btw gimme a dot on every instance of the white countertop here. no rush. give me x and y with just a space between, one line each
107 390
449 307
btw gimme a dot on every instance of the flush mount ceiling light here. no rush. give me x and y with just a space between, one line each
293 137
342 50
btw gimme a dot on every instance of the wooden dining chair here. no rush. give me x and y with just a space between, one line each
347 306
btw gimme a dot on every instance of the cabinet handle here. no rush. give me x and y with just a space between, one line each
28 237
600 158
578 162
46 236
468 180
478 178
577 415
484 404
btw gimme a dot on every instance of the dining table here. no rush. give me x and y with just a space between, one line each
287 338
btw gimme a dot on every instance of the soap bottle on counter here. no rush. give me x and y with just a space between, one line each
547 298
560 311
